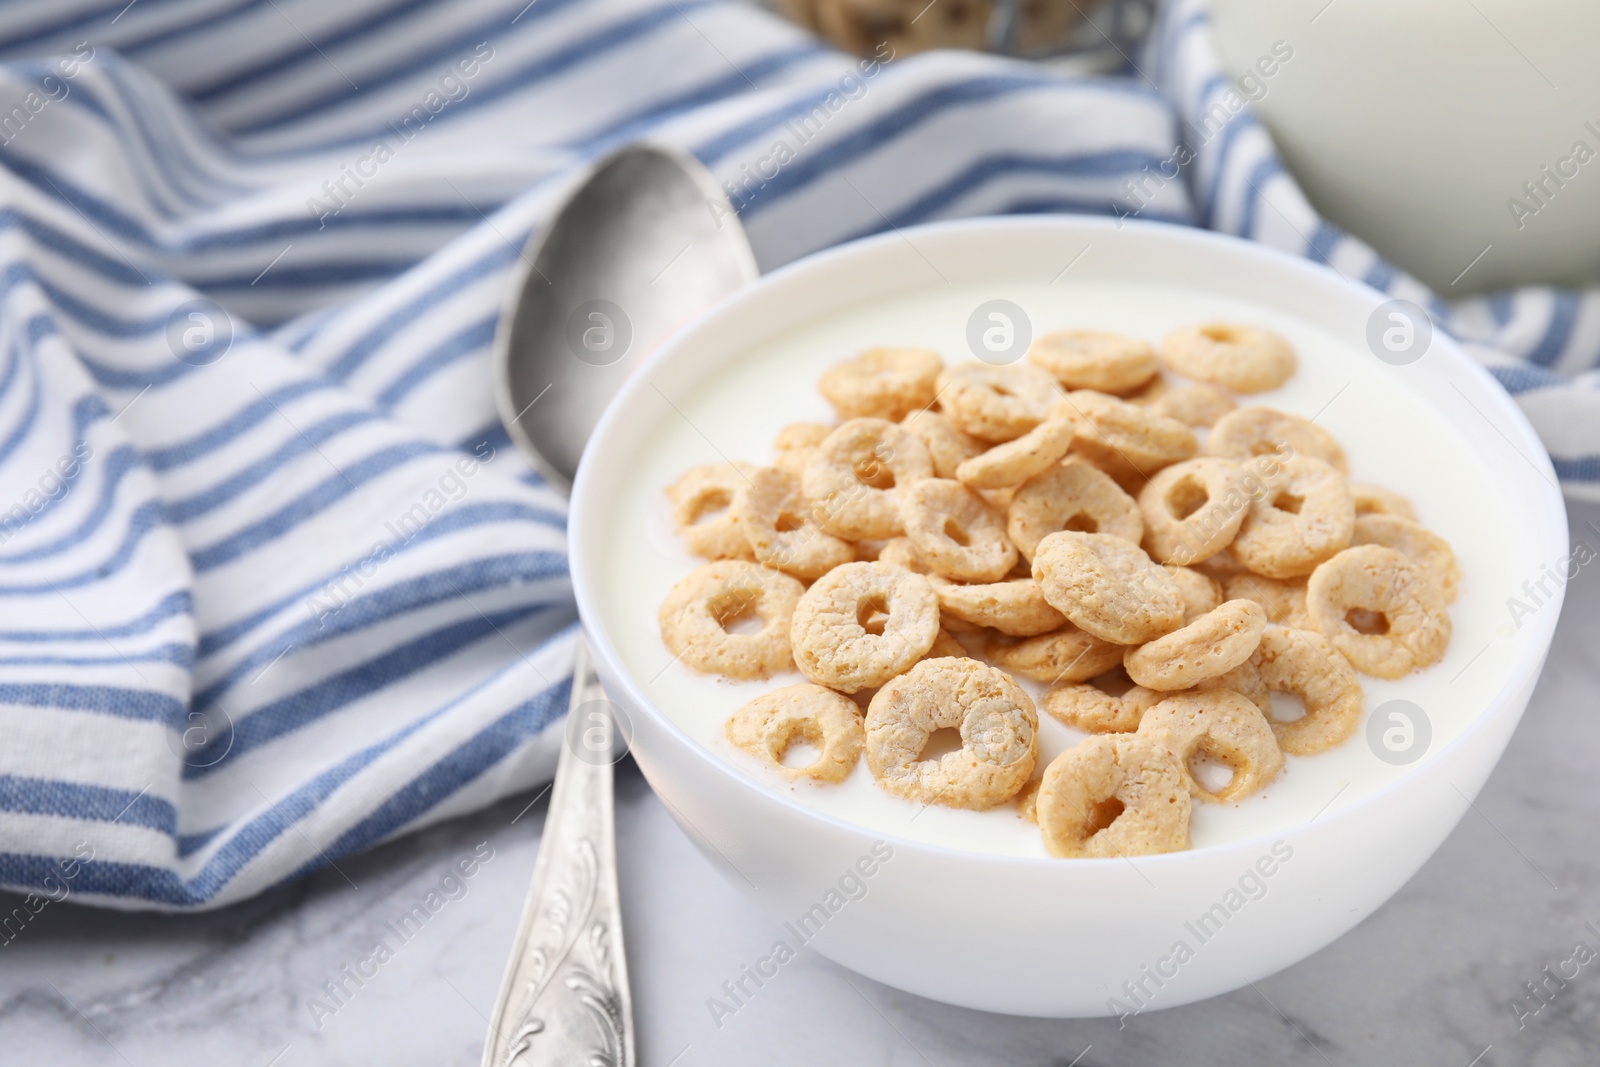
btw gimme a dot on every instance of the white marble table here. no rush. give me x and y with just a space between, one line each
1429 979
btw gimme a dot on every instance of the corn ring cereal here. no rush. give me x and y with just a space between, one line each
1123 439
1251 432
1014 607
1222 726
955 532
946 647
772 513
1305 665
702 509
1240 359
1194 405
1380 609
882 383
1200 592
1415 542
772 722
1065 655
996 719
1211 645
854 480
1086 706
1246 680
796 443
800 435
1107 587
1017 460
863 623
1192 510
1283 599
696 616
996 403
1306 517
1071 496
1113 795
1095 359
902 553
1376 500
947 446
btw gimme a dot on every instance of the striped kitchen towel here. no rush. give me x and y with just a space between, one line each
273 585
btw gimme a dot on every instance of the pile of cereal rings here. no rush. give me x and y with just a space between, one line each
1103 519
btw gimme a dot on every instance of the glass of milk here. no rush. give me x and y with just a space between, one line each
1459 139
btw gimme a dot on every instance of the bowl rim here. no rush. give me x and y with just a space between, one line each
1526 668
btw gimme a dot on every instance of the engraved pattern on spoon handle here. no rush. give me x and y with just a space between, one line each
564 999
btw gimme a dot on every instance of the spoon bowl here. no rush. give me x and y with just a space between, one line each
645 241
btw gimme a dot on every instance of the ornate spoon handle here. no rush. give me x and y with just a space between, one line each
564 999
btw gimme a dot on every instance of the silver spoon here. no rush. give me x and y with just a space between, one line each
646 241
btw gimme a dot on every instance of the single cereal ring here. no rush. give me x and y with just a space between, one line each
1251 432
1014 607
1284 600
698 611
1219 725
863 623
955 532
1086 706
770 723
1124 440
1200 592
853 481
1071 496
772 513
882 383
1066 655
1113 795
1196 404
1415 542
1211 645
796 443
1305 665
999 734
1193 509
1395 602
1306 516
1015 461
947 446
1376 500
1241 359
1095 359
996 403
702 509
1108 587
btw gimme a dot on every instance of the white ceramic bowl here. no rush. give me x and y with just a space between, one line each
1040 936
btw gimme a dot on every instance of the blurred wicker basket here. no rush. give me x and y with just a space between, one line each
1030 28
